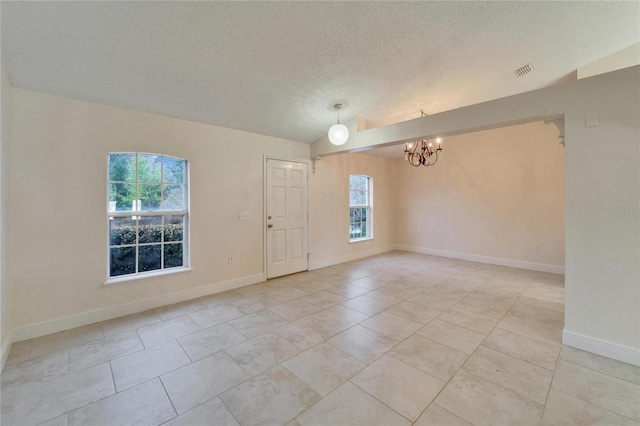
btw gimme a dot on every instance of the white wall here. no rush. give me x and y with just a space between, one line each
624 58
58 195
329 225
494 194
5 291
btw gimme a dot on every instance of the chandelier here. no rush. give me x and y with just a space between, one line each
426 156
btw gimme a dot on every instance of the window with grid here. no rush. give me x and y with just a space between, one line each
360 220
147 213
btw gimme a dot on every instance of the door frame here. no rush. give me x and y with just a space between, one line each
264 206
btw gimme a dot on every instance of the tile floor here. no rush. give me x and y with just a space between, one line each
394 339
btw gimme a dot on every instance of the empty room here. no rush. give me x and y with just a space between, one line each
320 213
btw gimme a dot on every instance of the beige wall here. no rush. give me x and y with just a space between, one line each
58 195
329 225
495 193
5 292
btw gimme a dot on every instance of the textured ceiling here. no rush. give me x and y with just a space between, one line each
277 68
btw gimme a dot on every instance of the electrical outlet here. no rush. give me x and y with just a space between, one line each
231 259
536 247
4 306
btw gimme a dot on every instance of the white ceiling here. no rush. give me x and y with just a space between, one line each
277 68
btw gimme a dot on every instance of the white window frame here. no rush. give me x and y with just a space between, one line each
368 206
138 213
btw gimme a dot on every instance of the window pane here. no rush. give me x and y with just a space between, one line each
173 228
121 196
149 168
173 197
123 261
150 195
172 255
122 231
173 170
149 229
122 167
149 258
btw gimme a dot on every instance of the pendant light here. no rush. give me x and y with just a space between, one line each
338 133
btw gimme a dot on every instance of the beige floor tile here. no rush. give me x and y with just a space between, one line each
389 295
435 415
19 352
325 299
414 312
405 389
349 291
563 409
481 402
257 323
522 347
434 301
39 369
40 401
200 381
136 368
212 412
63 420
273 397
530 328
286 294
220 298
252 290
216 315
144 404
546 291
312 286
391 326
324 368
451 335
307 332
99 351
521 377
179 309
66 339
256 303
130 322
349 405
557 306
295 309
600 389
370 282
429 356
621 370
367 305
538 314
164 331
468 319
203 343
489 308
340 317
362 343
262 352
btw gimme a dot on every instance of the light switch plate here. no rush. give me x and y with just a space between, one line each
244 215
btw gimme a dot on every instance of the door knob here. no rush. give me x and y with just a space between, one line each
269 217
270 225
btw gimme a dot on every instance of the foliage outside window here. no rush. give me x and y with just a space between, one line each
147 213
360 223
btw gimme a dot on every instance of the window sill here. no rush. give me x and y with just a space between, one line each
135 277
358 240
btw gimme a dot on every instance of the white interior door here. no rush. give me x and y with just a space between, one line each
286 218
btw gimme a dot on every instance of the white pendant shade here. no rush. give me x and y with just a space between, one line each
338 134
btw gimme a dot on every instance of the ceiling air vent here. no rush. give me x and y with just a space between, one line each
524 70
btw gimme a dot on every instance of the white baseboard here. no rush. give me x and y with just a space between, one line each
512 263
5 349
86 318
349 257
601 347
